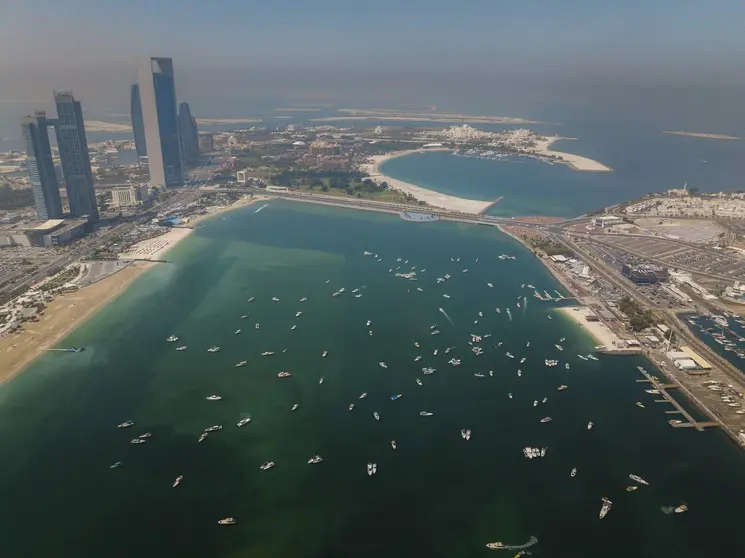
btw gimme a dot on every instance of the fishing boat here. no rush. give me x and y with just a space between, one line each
243 422
284 375
203 437
638 479
267 465
227 521
605 507
376 415
178 481
126 424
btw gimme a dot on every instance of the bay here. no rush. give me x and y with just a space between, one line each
436 495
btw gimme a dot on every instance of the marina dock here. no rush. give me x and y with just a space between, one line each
667 398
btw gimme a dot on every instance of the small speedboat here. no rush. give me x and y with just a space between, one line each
213 349
640 404
425 414
574 472
418 381
383 364
315 459
138 441
351 406
243 422
227 521
241 363
546 419
363 395
267 465
321 380
395 396
298 314
203 437
236 332
178 481
590 425
126 424
631 488
213 398
284 375
495 546
393 444
303 299
213 428
417 359
561 387
681 508
376 415
116 465
323 355
295 407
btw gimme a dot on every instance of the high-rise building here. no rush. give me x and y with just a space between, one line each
41 166
160 119
74 156
138 128
189 135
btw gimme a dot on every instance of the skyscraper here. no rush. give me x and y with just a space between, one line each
41 166
138 128
189 135
74 156
158 101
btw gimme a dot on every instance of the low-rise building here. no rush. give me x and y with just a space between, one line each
124 196
644 274
606 221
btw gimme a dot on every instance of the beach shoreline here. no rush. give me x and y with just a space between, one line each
430 197
68 311
600 332
61 317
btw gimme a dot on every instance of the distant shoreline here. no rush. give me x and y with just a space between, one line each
386 114
701 135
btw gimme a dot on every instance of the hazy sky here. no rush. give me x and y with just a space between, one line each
501 56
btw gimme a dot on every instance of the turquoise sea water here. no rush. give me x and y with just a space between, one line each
435 496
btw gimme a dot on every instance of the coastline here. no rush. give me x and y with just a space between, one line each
63 315
430 197
575 162
67 311
600 332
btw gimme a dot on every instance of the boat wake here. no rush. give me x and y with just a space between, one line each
528 544
446 315
668 510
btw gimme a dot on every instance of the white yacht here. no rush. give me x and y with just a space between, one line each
244 316
546 419
145 435
214 428
243 422
418 358
178 481
583 357
489 285
213 398
321 380
605 508
275 299
283 375
257 325
544 400
138 441
435 352
522 360
368 323
298 314
303 299
370 469
446 296
640 404
393 444
172 339
267 465
592 357
293 328
126 424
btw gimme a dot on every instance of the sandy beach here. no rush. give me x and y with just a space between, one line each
62 315
395 115
598 330
576 162
701 135
434 199
156 248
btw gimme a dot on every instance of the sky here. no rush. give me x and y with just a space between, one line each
393 51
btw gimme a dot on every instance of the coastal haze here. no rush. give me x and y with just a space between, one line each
484 261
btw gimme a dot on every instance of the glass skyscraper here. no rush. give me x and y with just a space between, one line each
74 156
41 166
160 117
189 135
138 128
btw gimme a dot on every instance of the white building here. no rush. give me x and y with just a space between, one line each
606 221
241 177
124 196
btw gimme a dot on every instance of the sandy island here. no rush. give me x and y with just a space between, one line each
101 126
385 114
217 121
428 196
68 311
701 135
577 162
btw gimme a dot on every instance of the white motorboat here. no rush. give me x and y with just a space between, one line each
546 419
370 469
257 325
251 299
172 339
213 349
303 299
138 441
275 299
298 314
181 348
418 381
315 459
574 472
590 425
214 428
418 358
362 396
284 375
295 407
293 328
368 323
125 424
638 479
267 465
145 435
425 414
383 364
376 415
323 355
351 406
241 363
681 508
605 508
393 444
178 481
243 422
213 398
236 332
321 380
227 521
203 437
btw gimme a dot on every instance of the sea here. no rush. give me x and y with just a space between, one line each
435 495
